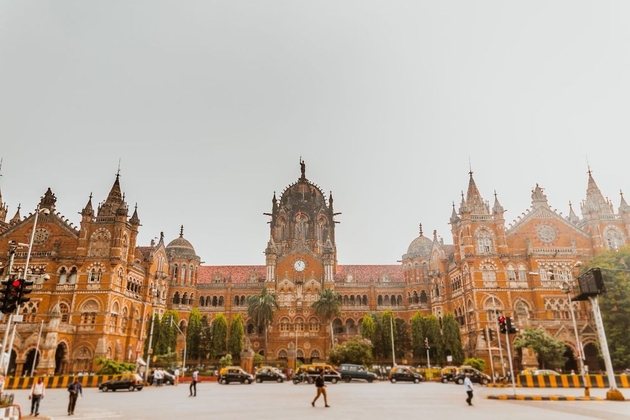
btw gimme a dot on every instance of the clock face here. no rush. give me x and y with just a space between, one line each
546 233
41 236
299 265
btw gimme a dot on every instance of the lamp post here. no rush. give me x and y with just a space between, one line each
391 327
184 358
39 337
566 288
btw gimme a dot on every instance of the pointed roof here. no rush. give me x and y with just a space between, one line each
454 217
623 206
114 200
497 208
573 218
88 210
17 217
134 217
474 202
595 203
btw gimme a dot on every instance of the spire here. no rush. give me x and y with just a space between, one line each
497 208
454 217
573 218
88 210
114 199
474 202
538 197
330 201
594 202
181 231
134 218
420 228
274 201
48 200
463 208
16 219
623 206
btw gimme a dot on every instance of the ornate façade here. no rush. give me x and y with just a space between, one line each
103 287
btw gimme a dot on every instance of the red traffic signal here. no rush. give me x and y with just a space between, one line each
502 325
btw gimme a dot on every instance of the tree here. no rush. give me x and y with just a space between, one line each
260 309
478 364
193 335
549 350
614 304
205 344
434 335
358 351
387 321
452 338
368 328
417 335
112 367
167 333
219 335
327 306
402 338
237 332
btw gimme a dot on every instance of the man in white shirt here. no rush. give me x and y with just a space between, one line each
193 383
36 395
468 386
176 374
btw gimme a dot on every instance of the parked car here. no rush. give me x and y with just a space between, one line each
235 374
448 374
476 376
308 373
169 378
130 381
404 374
349 372
270 373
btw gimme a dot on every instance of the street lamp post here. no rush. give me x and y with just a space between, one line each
566 288
184 358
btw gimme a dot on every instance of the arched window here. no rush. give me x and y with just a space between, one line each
511 273
484 242
522 273
423 297
64 309
72 278
63 275
176 298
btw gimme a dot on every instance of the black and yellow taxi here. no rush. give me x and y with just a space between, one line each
308 373
270 374
403 373
234 374
130 381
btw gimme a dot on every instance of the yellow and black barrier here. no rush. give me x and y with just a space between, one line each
26 382
570 381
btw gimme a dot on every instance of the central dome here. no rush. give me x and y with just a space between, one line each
420 247
180 247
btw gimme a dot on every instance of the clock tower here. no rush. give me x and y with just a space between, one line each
301 258
302 235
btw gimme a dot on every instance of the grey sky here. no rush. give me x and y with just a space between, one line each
211 104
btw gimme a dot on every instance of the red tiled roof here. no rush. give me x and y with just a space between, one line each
244 273
144 251
235 273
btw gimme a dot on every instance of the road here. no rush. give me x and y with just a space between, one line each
357 400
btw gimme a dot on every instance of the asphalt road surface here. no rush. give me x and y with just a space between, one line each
356 400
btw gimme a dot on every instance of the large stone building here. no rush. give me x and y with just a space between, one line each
103 287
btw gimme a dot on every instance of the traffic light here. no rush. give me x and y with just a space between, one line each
483 334
509 327
491 331
10 294
25 289
502 325
426 343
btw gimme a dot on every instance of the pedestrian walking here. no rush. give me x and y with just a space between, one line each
468 386
36 395
74 389
321 389
176 374
193 383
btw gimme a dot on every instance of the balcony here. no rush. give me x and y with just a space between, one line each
65 287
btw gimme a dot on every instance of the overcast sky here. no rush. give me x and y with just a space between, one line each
209 106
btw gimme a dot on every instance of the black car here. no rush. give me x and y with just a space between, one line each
308 376
130 381
404 374
270 374
349 372
235 375
475 376
169 378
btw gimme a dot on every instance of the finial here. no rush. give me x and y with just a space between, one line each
462 195
302 168
588 165
420 226
1 167
434 234
118 172
470 171
453 205
90 195
495 194
161 236
181 231
621 194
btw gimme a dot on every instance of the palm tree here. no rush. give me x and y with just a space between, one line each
260 310
327 306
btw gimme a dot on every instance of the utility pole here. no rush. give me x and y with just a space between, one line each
149 350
